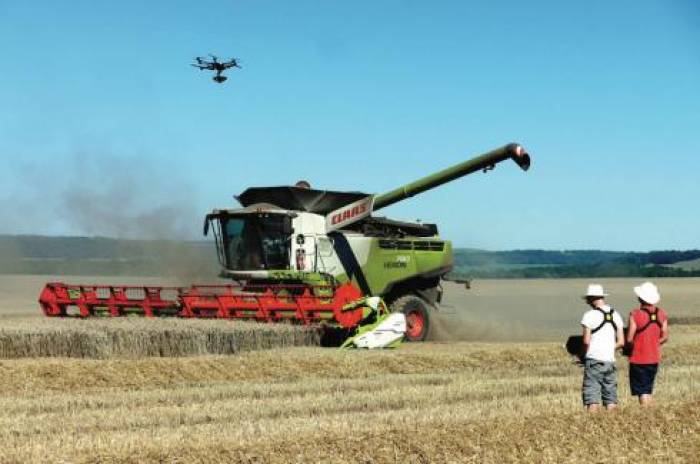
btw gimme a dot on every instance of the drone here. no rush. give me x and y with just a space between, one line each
215 65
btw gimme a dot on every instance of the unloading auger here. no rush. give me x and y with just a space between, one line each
305 256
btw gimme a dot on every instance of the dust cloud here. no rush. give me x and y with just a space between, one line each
508 310
116 197
128 199
524 310
480 314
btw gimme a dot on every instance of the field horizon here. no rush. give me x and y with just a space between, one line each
188 260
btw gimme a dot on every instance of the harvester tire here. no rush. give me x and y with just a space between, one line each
417 316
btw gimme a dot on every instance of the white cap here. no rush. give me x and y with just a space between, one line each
648 293
594 290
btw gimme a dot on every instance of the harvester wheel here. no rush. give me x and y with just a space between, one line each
417 316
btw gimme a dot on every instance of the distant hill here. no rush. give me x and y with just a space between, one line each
29 254
576 263
689 265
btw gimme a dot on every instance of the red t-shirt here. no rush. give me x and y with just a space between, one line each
647 349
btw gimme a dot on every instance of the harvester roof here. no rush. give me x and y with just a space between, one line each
299 199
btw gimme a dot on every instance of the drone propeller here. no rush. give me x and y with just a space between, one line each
215 65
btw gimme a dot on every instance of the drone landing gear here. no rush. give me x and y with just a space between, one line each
219 79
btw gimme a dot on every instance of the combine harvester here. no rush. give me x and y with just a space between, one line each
309 257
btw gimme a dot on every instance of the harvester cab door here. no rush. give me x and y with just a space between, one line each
326 260
304 252
304 241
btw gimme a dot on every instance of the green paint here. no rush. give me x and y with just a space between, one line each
385 267
483 162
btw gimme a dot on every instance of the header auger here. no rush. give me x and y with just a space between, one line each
306 256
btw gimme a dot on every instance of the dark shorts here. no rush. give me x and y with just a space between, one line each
642 378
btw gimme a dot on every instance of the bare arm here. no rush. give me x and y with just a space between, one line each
664 332
586 341
619 338
631 329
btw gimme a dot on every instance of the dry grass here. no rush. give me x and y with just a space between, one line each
434 402
139 337
684 320
422 403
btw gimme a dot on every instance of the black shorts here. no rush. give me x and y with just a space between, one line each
642 378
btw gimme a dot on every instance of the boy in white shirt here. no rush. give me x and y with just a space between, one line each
602 335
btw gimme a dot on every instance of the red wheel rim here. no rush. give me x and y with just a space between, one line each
345 294
415 322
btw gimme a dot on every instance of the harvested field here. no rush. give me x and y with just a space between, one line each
454 402
547 309
488 401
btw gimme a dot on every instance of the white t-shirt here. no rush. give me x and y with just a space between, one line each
602 346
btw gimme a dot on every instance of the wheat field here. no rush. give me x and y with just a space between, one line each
446 402
457 401
137 337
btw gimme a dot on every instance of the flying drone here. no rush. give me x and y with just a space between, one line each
215 65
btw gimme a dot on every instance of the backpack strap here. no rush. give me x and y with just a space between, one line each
607 319
652 318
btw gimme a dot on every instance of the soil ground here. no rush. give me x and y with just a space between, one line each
492 310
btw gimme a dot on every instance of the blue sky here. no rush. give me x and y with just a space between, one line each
105 127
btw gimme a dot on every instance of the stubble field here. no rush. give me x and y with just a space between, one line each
497 387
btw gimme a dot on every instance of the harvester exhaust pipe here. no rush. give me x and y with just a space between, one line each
484 162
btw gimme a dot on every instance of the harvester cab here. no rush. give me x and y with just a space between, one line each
290 240
310 257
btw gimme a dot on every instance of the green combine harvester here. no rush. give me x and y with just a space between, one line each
311 257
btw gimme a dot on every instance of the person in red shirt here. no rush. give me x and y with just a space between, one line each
648 330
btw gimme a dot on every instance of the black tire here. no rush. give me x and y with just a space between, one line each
416 311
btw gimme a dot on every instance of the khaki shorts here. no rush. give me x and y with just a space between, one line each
599 382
